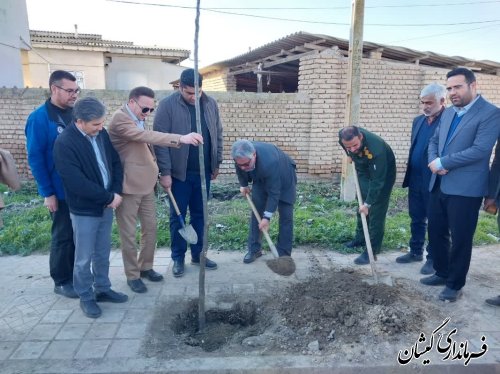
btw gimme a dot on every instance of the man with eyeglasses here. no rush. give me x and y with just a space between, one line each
134 144
180 168
42 128
272 174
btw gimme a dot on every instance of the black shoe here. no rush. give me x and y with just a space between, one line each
363 258
428 267
209 264
433 280
449 294
151 275
495 301
66 290
137 285
178 268
409 257
251 256
90 308
111 296
354 243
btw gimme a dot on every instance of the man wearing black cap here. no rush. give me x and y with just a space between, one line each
179 167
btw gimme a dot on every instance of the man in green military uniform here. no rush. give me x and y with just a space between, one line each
376 168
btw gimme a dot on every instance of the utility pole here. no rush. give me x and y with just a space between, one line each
347 187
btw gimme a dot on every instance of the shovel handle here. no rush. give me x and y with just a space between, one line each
259 220
176 208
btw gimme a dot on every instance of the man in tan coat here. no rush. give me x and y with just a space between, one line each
8 175
134 145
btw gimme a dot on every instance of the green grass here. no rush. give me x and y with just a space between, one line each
321 219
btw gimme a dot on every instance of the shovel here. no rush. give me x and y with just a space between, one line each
187 232
387 279
283 265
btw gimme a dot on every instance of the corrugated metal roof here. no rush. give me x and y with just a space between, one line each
303 41
95 41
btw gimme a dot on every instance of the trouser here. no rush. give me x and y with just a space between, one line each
376 216
135 207
62 248
92 247
285 235
418 209
188 194
452 217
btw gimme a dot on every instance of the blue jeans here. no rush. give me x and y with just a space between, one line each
187 194
92 246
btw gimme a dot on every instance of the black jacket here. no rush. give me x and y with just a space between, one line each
76 163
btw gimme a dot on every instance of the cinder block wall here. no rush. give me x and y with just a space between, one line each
304 124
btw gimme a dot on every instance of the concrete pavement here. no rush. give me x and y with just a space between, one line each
41 332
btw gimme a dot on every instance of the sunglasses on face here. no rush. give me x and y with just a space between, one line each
144 109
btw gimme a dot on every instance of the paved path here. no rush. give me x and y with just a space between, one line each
41 332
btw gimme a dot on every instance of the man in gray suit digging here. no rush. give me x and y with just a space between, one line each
459 154
273 177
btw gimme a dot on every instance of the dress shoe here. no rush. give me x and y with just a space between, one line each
449 294
66 290
363 258
209 264
428 267
495 301
151 275
90 308
409 257
354 243
111 296
433 280
137 285
251 256
178 269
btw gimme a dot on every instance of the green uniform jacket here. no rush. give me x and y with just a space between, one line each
376 166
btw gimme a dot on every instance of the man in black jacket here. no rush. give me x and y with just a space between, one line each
92 176
418 174
272 174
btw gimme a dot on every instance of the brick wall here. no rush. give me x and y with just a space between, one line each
304 124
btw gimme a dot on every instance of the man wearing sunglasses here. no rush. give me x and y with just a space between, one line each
180 167
42 128
272 174
134 144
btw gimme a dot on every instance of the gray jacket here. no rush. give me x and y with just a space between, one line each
173 117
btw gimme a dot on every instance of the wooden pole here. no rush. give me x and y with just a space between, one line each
347 188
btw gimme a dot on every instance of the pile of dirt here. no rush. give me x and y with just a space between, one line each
332 312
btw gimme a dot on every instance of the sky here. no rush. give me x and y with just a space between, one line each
230 28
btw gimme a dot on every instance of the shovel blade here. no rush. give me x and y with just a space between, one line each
188 234
283 265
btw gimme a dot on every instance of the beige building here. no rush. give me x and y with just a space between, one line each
98 63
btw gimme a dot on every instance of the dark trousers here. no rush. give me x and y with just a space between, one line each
187 194
418 209
452 217
285 236
62 249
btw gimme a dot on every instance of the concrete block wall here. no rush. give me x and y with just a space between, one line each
219 81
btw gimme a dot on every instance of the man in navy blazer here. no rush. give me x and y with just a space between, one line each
459 154
418 174
273 177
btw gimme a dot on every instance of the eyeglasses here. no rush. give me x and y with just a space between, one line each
144 109
70 91
245 165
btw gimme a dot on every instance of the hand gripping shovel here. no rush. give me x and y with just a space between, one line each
187 232
387 279
283 265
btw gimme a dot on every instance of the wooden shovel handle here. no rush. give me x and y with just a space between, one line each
259 220
172 199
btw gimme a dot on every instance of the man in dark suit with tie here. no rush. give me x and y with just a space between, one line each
459 154
492 201
418 174
273 177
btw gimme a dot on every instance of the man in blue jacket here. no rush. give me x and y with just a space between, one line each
42 128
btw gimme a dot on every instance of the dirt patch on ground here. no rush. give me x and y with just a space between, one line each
335 312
